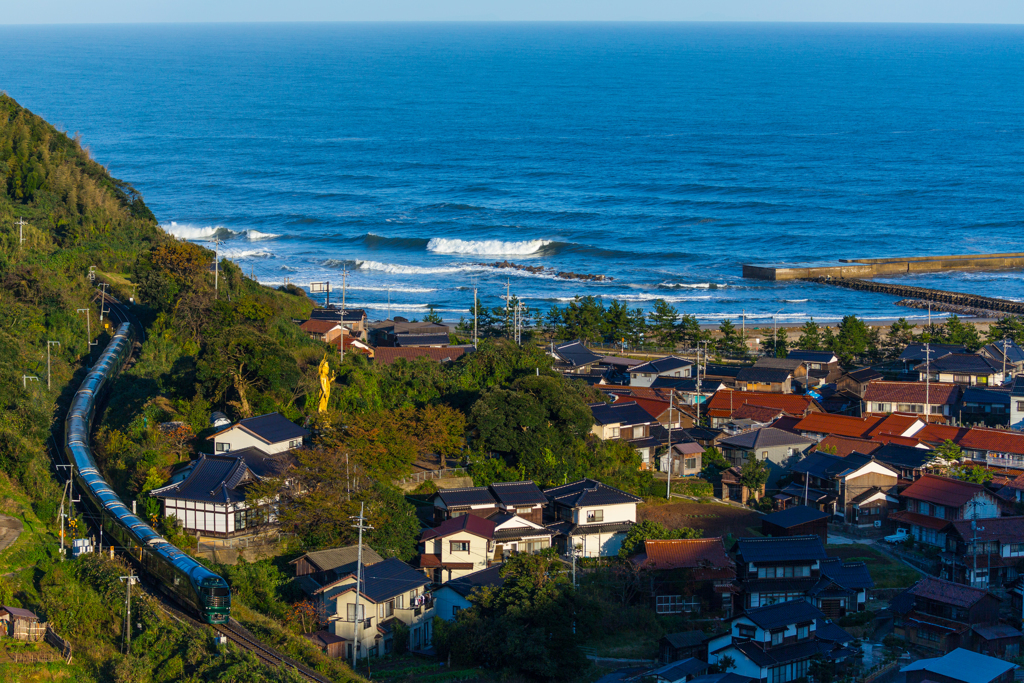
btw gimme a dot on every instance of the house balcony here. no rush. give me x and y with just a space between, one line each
410 615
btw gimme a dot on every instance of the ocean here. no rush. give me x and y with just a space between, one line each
663 156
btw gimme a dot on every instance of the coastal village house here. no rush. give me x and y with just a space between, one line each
456 547
270 433
961 666
573 358
938 615
932 502
934 402
626 422
316 569
858 488
453 596
772 570
773 447
353 320
774 375
721 407
670 366
967 369
391 591
985 554
776 643
688 575
592 518
821 365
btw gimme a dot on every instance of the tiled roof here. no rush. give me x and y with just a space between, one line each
682 384
627 413
341 559
575 354
713 370
825 629
687 552
758 375
986 395
916 352
212 479
845 445
264 464
477 526
897 424
271 428
587 492
864 375
912 392
781 549
965 363
766 437
384 580
947 592
827 466
812 356
917 519
784 614
314 326
1002 529
518 493
685 638
465 497
993 440
725 401
839 425
762 414
1014 353
942 490
908 457
464 585
794 516
852 575
660 365
414 340
332 313
937 433
386 355
679 670
652 407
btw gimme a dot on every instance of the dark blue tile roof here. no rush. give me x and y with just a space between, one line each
660 365
412 340
812 356
385 580
588 492
1017 388
477 495
575 354
898 455
969 363
274 428
464 585
852 575
916 352
795 516
784 613
781 549
518 493
626 413
986 396
212 479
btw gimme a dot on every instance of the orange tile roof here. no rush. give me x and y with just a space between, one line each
993 440
917 519
385 355
912 392
901 440
896 424
726 401
757 413
319 326
687 552
845 445
937 433
942 490
837 425
651 407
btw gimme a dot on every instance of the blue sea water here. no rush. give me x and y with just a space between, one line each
662 155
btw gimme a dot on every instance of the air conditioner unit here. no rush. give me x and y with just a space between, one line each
878 524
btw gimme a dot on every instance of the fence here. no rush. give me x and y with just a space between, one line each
428 475
59 644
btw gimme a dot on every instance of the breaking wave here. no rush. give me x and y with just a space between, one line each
242 254
440 245
691 285
195 233
256 235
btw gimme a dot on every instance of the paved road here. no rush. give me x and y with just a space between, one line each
10 529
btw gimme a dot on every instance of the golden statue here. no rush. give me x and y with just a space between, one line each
326 378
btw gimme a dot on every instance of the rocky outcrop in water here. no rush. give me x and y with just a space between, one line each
543 270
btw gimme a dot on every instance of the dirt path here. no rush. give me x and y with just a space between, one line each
10 529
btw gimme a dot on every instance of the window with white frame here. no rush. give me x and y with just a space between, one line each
223 447
613 432
777 637
802 631
294 443
350 611
460 546
669 604
595 516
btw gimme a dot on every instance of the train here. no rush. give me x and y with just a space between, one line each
189 583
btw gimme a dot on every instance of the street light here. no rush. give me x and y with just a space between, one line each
88 330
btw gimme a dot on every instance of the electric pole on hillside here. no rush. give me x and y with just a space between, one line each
126 643
475 305
927 382
48 345
88 331
216 266
21 231
668 487
357 626
344 287
103 298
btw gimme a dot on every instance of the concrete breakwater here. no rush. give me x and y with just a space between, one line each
959 299
882 267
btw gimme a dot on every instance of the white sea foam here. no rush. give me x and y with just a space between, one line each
671 298
256 235
396 269
440 245
241 254
194 233
794 301
691 285
408 290
407 308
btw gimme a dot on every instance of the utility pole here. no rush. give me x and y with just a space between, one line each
216 266
1004 359
88 331
389 302
357 627
927 382
697 402
126 646
475 305
25 380
103 298
63 516
668 487
743 327
48 345
21 231
344 287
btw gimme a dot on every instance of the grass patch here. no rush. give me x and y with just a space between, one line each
885 571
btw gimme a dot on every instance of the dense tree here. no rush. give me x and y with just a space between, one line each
662 323
1008 327
731 342
900 335
810 337
246 362
776 343
852 340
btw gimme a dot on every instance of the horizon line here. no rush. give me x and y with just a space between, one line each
801 22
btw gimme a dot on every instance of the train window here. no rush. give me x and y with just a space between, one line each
219 592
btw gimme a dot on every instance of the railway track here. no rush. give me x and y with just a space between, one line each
241 637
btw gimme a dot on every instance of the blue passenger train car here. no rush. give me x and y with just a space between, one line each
188 582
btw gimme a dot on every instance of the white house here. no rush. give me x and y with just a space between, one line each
1017 403
670 366
592 518
271 433
452 597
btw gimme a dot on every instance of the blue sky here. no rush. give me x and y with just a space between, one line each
136 11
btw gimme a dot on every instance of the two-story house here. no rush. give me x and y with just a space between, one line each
776 448
983 553
318 568
932 502
590 518
1006 355
514 534
626 421
858 488
917 352
670 366
961 666
573 358
1017 403
456 547
523 498
271 433
688 575
856 381
721 407
771 570
773 375
390 591
475 500
969 369
822 365
933 402
352 319
453 596
776 643
938 615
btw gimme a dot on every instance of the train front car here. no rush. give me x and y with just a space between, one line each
216 596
